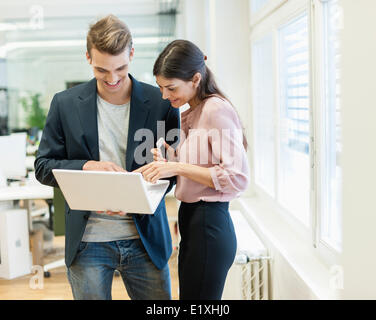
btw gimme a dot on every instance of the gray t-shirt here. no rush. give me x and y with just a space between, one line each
113 123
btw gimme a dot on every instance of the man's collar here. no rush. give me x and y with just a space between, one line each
137 91
89 89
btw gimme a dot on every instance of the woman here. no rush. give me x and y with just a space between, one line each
210 164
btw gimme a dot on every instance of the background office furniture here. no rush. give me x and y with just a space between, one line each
13 157
27 193
15 256
9 230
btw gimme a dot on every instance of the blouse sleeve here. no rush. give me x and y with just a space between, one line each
230 173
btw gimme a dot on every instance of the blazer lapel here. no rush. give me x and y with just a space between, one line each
138 115
87 111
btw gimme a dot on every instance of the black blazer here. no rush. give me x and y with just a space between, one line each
70 139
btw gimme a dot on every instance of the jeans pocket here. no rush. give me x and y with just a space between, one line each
81 248
138 249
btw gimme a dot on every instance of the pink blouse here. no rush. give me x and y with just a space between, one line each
211 137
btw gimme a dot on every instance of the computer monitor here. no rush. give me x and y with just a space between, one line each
13 156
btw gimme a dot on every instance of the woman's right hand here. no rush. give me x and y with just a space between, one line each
157 154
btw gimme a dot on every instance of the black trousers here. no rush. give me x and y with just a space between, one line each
207 249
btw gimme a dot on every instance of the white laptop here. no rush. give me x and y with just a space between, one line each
114 191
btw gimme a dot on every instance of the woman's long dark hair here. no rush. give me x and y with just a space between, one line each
182 59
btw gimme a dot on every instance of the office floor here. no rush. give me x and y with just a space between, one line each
57 286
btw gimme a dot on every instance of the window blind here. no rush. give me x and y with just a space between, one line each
294 77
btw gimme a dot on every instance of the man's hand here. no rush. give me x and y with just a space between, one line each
92 165
112 213
102 166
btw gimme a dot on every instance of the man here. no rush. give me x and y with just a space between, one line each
92 127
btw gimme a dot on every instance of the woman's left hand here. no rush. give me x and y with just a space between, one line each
157 170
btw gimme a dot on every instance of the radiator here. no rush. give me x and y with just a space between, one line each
248 277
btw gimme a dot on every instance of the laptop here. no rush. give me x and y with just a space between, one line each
114 191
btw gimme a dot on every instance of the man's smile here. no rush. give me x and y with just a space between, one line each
112 84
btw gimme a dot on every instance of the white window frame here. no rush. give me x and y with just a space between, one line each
325 250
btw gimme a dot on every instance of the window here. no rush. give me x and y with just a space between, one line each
330 226
296 117
263 102
294 135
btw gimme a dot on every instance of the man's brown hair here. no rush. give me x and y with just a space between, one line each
109 35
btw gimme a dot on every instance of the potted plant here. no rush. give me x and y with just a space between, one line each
36 115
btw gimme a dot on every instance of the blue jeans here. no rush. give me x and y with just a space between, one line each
92 271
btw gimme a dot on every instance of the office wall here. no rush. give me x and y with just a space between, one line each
359 153
221 29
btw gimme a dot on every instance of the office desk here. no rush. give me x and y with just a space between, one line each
34 191
15 255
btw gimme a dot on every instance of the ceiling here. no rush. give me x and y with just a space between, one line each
20 9
59 24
